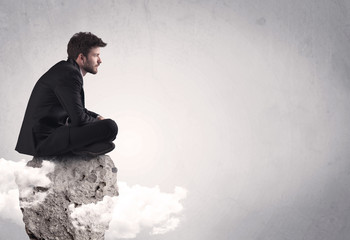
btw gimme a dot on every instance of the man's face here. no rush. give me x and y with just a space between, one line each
92 61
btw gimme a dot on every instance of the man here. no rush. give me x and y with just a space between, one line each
56 121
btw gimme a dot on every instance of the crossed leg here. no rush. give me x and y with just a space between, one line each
77 138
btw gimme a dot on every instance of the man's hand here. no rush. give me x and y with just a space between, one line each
100 117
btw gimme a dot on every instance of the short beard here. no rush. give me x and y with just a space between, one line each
88 68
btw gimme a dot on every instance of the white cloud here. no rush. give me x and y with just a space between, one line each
169 225
13 173
9 206
140 207
136 208
9 202
95 215
27 177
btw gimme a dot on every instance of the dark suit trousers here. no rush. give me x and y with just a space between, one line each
77 137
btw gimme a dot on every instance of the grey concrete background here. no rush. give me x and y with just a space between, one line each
243 103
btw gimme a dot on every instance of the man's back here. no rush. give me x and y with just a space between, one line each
45 111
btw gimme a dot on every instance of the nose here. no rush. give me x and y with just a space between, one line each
99 60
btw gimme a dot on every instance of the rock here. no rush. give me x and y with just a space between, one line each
72 198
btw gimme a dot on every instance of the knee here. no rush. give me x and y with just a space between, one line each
111 126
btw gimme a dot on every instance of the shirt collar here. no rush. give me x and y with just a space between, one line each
81 72
75 65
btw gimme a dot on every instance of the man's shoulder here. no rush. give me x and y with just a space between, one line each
65 69
62 72
66 65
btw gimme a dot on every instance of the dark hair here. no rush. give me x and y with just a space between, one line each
82 42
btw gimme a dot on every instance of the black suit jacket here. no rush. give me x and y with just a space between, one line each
57 97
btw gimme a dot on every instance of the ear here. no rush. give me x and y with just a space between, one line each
80 58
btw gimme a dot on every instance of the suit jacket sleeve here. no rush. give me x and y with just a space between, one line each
68 93
92 114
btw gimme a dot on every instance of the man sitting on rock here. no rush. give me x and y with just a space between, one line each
56 121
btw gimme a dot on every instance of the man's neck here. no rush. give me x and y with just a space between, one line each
82 71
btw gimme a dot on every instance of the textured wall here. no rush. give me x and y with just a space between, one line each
244 103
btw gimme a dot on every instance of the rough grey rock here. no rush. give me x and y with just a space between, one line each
75 182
